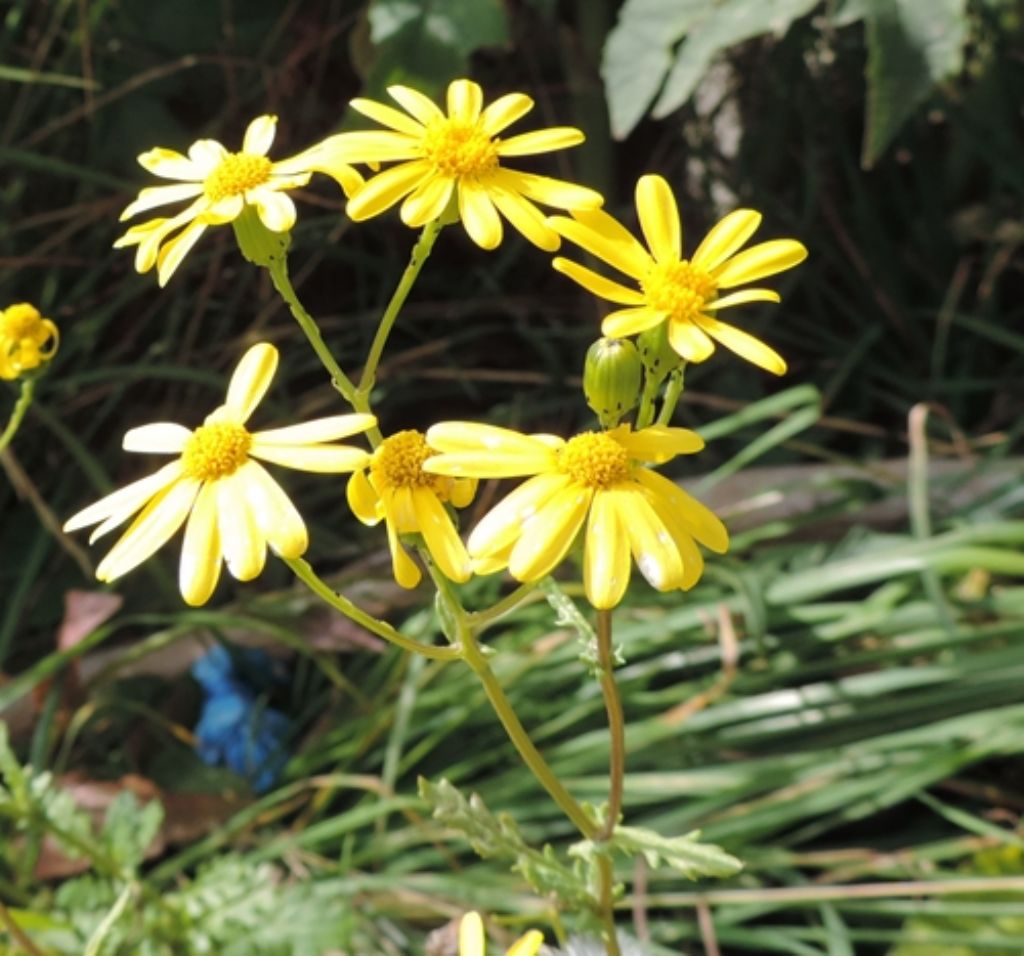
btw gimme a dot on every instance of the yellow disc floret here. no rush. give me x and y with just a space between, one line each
216 451
235 174
678 288
594 460
460 149
398 462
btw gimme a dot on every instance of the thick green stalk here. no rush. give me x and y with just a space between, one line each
616 724
673 391
339 602
28 386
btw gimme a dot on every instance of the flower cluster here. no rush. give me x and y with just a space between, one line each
27 340
443 166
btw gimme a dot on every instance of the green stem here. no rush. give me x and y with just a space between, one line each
419 255
308 576
607 911
478 620
278 270
672 392
645 415
28 386
616 724
17 933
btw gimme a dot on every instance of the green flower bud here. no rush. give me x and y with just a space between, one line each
658 356
259 245
611 379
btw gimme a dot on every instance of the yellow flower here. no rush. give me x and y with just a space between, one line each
682 292
234 508
221 184
460 154
27 340
412 502
472 943
597 478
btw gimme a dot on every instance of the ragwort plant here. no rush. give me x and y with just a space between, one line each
604 487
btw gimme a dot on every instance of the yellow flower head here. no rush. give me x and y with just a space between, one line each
472 942
220 184
232 505
27 340
683 292
412 501
460 154
597 478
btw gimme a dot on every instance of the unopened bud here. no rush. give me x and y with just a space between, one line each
658 356
611 379
259 245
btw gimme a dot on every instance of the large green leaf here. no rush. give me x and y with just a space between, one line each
912 46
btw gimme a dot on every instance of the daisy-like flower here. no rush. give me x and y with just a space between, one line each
232 506
472 942
221 184
596 478
460 154
412 501
27 340
686 293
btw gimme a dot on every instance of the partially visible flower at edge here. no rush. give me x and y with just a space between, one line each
221 184
233 507
597 478
27 340
682 292
459 154
412 501
473 943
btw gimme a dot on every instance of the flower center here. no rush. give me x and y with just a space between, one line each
236 173
594 460
459 149
216 451
677 288
398 462
19 322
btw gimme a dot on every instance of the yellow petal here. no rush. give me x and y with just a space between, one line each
318 430
650 542
388 116
199 568
618 325
600 235
465 100
759 261
547 191
605 555
477 436
658 443
416 104
744 345
206 154
548 534
527 945
659 218
241 540
363 499
117 507
386 188
526 218
170 164
159 438
373 146
259 135
726 237
172 253
689 341
501 527
250 381
461 491
471 935
275 209
701 522
742 297
277 518
321 459
503 112
402 566
479 216
153 196
540 141
442 540
428 201
689 553
160 519
598 284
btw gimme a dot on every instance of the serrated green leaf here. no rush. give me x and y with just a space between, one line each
727 24
685 853
911 47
